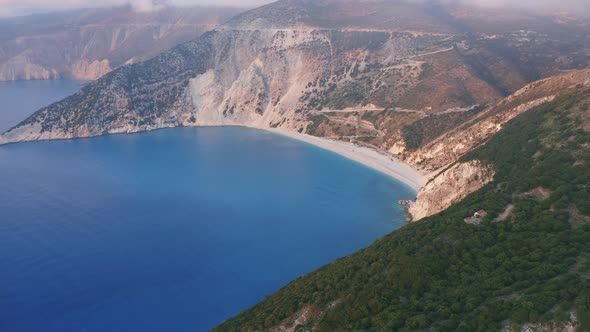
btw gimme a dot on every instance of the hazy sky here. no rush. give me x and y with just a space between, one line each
17 7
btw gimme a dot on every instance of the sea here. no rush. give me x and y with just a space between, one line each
19 99
171 230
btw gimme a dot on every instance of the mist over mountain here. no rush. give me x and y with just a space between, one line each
88 43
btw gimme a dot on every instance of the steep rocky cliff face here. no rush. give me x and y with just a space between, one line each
450 187
87 44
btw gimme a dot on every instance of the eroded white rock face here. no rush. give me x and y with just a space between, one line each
449 187
20 67
89 70
205 97
258 83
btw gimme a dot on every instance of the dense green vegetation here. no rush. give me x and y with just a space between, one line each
447 275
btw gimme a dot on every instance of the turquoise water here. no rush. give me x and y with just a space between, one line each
20 99
174 230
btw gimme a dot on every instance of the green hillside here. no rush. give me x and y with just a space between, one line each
444 274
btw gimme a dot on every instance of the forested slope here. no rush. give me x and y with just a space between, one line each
527 263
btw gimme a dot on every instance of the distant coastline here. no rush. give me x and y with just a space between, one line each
372 158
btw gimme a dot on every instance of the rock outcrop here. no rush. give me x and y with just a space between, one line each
449 187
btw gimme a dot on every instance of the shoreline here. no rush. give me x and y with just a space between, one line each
386 164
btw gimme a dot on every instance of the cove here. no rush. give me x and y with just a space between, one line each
177 229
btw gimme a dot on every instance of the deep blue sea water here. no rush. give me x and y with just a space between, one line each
20 99
174 230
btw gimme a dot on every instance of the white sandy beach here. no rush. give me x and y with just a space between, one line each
381 162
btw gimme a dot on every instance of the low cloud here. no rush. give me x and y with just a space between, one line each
148 5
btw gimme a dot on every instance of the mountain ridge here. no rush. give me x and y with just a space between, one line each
334 69
454 180
88 43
